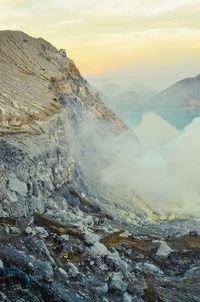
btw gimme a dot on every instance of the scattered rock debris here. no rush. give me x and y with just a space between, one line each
40 263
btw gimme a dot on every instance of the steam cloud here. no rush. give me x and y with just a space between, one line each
166 178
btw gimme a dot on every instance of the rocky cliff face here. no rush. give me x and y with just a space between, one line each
38 81
43 100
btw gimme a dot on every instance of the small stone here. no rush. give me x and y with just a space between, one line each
29 231
52 204
149 268
91 238
1 263
164 250
62 275
117 283
3 297
31 267
193 272
16 185
103 267
125 234
14 230
62 52
72 269
41 232
5 229
115 261
127 298
65 237
99 249
62 272
101 288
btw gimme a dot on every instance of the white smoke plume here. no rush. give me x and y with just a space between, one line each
165 178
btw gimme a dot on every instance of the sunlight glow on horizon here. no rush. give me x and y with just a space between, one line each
107 38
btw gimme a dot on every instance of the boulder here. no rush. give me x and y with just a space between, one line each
99 249
164 250
149 268
72 270
117 283
91 238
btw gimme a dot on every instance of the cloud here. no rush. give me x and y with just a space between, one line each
162 177
129 31
117 7
166 179
66 22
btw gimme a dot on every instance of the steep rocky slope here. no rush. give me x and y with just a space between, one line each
43 101
37 80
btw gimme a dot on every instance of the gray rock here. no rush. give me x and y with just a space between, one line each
101 288
30 267
136 299
41 232
150 268
117 283
62 52
193 272
115 262
72 269
3 297
65 237
127 298
99 249
42 249
164 250
30 231
62 275
91 238
20 259
16 185
14 230
4 229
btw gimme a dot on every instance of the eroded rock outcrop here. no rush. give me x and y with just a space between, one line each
43 100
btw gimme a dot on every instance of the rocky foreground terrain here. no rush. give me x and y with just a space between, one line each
63 236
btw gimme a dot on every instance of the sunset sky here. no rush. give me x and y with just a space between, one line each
155 42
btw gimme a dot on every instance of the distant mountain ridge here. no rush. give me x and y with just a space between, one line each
187 90
127 100
180 103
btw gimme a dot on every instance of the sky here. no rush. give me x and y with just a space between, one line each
153 42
